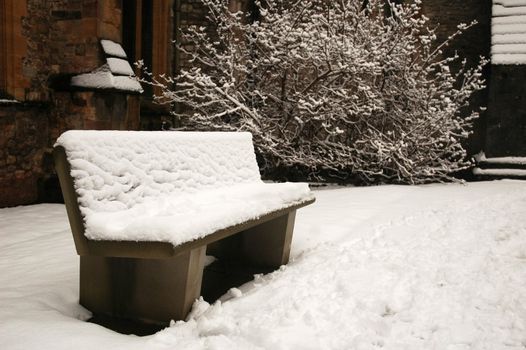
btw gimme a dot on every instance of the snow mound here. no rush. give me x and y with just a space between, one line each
169 186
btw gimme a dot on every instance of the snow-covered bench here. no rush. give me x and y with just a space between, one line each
144 206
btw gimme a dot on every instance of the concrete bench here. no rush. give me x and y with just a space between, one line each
146 207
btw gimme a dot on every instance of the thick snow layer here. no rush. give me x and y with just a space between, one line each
119 66
390 267
509 59
509 38
508 20
112 48
115 74
500 172
185 217
501 160
507 10
169 186
511 49
125 84
507 160
508 29
102 78
510 3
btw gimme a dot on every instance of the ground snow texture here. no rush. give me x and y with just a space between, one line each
390 267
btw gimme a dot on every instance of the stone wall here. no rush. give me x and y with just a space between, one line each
193 12
92 110
62 39
475 42
23 142
13 49
188 13
506 120
501 130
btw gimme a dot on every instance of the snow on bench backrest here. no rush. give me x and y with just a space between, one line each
114 170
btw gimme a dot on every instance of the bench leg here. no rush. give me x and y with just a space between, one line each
149 290
266 245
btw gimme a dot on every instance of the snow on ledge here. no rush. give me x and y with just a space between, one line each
7 101
118 66
170 186
509 58
102 78
481 157
510 3
507 160
507 10
112 48
500 172
508 32
116 74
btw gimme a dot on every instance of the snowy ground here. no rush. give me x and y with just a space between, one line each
392 267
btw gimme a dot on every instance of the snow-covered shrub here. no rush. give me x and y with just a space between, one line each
329 88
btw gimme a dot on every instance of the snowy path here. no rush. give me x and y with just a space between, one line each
391 267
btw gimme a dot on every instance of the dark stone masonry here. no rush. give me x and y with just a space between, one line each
475 42
22 148
51 41
506 131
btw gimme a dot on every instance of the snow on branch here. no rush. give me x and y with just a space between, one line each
329 88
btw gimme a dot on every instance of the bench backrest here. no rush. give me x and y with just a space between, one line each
113 170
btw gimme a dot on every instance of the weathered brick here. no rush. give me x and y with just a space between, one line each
66 15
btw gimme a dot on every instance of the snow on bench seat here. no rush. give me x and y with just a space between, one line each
169 186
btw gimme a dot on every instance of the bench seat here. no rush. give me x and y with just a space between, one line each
177 219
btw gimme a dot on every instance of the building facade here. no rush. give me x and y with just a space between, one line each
43 45
47 45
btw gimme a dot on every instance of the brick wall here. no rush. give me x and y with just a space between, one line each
92 110
193 12
506 119
59 38
501 130
62 38
188 13
475 42
506 122
23 142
